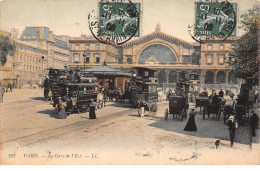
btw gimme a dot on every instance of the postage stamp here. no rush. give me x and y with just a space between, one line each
116 23
215 19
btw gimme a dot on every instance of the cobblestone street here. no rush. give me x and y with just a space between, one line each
117 136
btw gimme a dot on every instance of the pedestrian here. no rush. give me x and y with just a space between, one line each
221 93
254 120
92 110
191 125
61 113
141 108
2 91
232 125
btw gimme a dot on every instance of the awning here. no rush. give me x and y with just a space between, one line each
106 70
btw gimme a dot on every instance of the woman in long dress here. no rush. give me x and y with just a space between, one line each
92 108
191 125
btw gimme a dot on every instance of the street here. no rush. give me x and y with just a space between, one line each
30 134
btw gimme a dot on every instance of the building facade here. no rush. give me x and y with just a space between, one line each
174 59
95 52
57 46
213 62
37 50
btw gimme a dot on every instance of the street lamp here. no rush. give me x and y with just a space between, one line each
85 57
42 70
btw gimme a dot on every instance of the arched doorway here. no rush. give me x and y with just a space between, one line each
232 78
161 77
221 77
158 52
209 78
172 77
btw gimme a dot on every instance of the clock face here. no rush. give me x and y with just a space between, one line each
215 19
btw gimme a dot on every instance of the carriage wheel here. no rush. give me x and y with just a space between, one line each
204 112
166 113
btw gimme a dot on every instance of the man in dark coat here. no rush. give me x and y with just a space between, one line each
221 93
254 119
232 129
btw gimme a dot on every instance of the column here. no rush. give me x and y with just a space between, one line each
115 82
215 77
202 77
166 76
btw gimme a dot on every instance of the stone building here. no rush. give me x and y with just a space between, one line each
173 58
96 52
30 63
213 62
37 50
57 46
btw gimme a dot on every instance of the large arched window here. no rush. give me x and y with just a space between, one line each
221 77
209 78
161 53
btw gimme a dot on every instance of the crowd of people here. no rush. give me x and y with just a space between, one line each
232 124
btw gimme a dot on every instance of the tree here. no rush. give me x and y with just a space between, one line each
7 47
244 57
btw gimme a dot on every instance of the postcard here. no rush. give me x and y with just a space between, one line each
129 82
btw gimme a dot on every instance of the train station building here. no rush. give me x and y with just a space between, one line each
174 59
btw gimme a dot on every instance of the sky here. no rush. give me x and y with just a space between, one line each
69 17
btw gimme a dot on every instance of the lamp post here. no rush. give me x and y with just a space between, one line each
42 70
85 57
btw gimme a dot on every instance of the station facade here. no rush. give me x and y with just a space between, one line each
174 59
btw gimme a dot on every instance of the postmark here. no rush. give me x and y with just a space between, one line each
116 23
214 19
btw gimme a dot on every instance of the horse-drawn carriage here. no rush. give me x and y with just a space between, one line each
71 90
237 109
216 107
142 90
178 107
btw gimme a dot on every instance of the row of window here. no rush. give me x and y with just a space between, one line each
29 37
221 47
221 59
76 58
33 68
33 50
30 59
87 47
